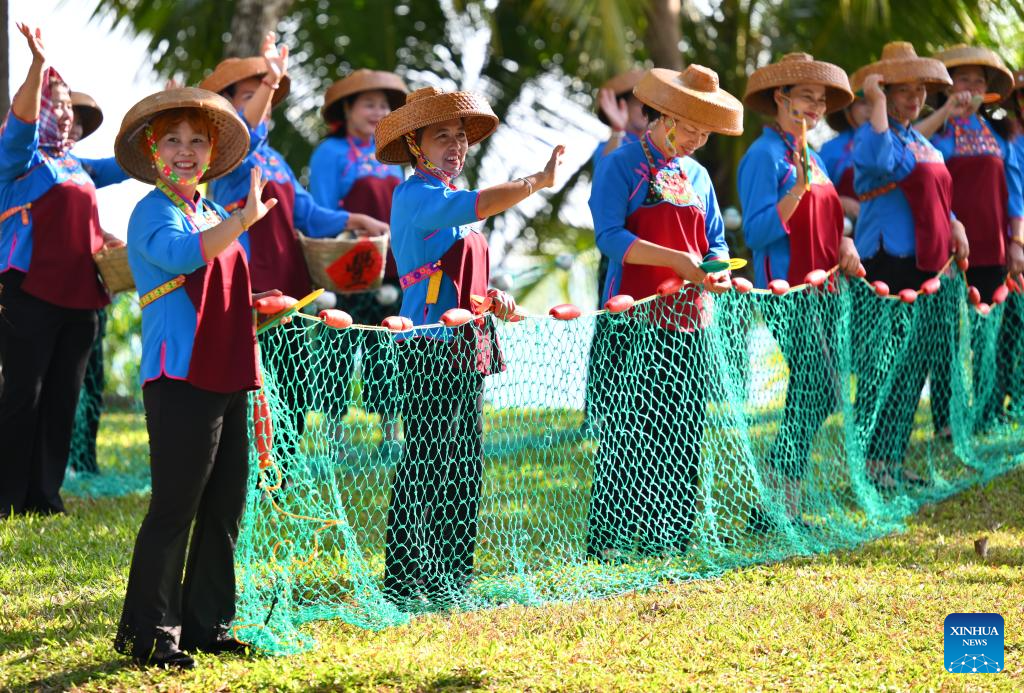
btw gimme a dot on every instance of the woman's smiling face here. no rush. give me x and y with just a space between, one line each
445 145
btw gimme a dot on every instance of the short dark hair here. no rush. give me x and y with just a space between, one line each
652 114
335 116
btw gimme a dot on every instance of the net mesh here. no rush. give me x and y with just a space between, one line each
609 453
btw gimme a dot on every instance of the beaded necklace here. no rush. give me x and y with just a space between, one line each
180 203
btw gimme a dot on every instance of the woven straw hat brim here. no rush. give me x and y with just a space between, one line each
703 104
1000 79
364 80
476 114
622 85
929 71
87 112
761 86
234 70
231 143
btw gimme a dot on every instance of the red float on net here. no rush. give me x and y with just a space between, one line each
453 317
670 286
931 286
881 288
619 303
908 296
742 285
778 286
397 323
973 295
272 305
1001 293
816 278
334 317
565 311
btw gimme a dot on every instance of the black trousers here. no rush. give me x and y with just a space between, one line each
380 367
645 472
44 349
435 495
82 457
198 446
923 342
805 329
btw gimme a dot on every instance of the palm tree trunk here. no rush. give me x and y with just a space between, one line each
663 36
5 49
252 19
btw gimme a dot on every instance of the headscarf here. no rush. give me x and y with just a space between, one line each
51 139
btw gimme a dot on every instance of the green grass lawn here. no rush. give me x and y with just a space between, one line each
869 618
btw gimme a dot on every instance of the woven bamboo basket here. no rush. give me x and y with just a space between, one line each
113 267
322 253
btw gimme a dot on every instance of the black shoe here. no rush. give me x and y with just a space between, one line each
222 643
166 655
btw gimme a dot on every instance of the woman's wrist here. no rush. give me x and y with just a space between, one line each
270 83
242 220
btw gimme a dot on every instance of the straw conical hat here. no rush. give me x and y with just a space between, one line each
999 77
87 112
693 95
234 70
428 106
621 85
231 140
900 64
793 69
359 81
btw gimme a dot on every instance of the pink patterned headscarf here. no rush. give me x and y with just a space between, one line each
50 137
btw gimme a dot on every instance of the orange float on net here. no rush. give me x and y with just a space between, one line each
565 311
816 278
271 305
670 286
397 323
861 272
778 286
931 286
984 308
263 429
453 317
1012 284
908 296
973 295
881 288
1001 293
619 303
962 263
336 318
742 285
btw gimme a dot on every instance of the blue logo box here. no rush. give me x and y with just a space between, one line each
973 643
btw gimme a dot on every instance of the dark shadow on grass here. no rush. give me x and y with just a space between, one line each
456 681
65 680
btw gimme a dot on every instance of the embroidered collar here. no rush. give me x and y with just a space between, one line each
974 141
190 208
430 176
655 157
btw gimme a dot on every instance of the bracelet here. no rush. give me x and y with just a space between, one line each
793 195
241 219
529 185
272 85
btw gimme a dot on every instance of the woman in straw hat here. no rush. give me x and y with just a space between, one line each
88 118
988 186
198 363
49 231
837 153
988 181
254 85
793 222
906 233
443 264
621 111
656 216
345 174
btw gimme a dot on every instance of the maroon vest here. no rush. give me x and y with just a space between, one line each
65 234
980 199
815 230
276 260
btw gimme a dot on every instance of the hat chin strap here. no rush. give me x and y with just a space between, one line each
417 152
670 134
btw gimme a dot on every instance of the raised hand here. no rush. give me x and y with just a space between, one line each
614 110
551 169
35 42
873 88
275 57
